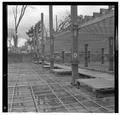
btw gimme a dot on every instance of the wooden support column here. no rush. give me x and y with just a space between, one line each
51 37
75 74
86 55
89 56
42 40
63 56
56 23
102 55
35 42
111 54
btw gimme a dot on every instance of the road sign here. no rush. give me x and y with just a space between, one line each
75 55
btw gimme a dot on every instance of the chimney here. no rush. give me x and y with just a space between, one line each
111 7
80 19
103 11
95 15
87 18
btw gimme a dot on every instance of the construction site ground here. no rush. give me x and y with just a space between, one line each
32 88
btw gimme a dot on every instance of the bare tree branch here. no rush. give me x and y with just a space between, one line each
21 14
16 11
65 23
18 20
14 14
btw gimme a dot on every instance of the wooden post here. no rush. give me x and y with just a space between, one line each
111 54
63 54
51 38
37 43
75 44
89 56
102 55
86 55
34 43
56 24
42 40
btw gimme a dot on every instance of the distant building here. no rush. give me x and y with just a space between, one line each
94 31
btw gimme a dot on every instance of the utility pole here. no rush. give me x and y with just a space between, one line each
75 74
51 37
42 40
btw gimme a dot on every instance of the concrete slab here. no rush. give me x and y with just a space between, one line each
46 66
40 62
91 73
97 84
61 71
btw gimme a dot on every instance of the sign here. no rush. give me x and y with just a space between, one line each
75 55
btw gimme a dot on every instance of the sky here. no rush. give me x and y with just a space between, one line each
33 15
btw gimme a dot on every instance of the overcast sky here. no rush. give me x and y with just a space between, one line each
33 15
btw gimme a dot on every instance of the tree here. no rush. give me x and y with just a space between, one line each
10 36
17 20
30 32
65 23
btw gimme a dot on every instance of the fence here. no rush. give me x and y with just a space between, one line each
99 59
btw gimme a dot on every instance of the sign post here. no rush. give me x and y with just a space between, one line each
51 37
75 44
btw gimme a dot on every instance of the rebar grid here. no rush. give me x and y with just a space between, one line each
76 98
32 77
